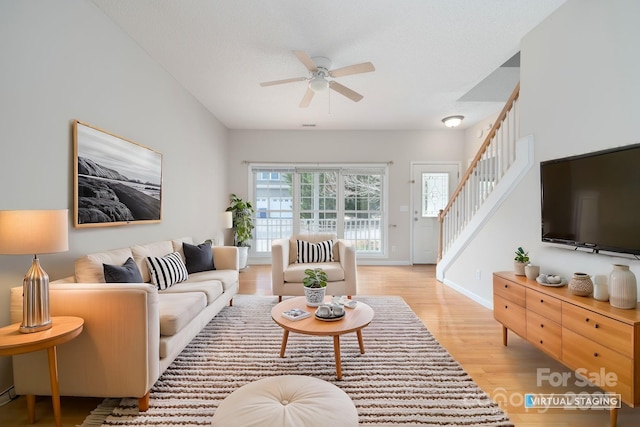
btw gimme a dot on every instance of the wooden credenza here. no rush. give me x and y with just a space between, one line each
580 332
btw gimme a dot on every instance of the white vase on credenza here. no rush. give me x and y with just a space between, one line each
623 290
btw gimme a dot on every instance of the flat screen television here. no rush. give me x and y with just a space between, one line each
593 200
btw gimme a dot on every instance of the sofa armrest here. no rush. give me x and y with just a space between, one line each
226 258
117 353
348 262
279 263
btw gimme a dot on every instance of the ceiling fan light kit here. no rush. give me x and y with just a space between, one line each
319 69
318 84
452 121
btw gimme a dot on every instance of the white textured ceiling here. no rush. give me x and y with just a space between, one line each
427 53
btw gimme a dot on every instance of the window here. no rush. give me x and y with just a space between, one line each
273 202
330 199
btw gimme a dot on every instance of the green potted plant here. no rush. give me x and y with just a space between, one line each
242 214
315 284
521 259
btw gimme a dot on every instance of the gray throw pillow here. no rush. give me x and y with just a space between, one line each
127 273
198 258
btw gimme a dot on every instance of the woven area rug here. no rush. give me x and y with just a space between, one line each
404 378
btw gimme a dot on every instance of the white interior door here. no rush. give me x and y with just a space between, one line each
432 186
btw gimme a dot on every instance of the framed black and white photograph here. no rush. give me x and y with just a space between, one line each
116 181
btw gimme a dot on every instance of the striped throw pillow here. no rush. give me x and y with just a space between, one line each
314 252
167 271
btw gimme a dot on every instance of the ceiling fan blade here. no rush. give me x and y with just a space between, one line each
365 67
279 82
343 90
306 99
306 60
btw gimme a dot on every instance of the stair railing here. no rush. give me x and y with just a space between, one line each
495 156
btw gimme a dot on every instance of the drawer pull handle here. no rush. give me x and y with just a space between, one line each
596 326
541 301
587 320
506 286
595 354
541 325
506 306
541 342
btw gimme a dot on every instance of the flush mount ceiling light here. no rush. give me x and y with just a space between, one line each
452 121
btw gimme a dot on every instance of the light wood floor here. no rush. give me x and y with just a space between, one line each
464 327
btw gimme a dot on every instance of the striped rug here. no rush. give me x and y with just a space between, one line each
404 378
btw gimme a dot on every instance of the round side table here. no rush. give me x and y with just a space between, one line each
13 342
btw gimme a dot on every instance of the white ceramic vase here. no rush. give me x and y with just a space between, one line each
623 291
600 288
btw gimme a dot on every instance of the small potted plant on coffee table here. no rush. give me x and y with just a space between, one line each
315 284
521 259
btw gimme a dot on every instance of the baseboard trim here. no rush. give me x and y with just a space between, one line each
464 291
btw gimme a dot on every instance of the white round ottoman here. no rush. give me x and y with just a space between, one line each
287 400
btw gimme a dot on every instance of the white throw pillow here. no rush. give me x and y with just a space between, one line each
314 252
167 270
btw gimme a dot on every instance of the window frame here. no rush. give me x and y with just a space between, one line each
347 168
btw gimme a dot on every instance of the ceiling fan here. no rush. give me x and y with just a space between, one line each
319 67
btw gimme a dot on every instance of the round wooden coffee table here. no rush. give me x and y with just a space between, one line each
354 320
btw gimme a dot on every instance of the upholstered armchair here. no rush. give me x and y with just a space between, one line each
287 273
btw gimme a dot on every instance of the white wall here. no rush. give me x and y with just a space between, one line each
580 88
399 147
65 60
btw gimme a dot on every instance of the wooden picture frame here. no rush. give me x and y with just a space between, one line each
115 181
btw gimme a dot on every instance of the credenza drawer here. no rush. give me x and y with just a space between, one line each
544 334
510 314
610 333
509 290
581 353
547 306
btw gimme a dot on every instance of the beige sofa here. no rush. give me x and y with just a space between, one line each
287 273
132 331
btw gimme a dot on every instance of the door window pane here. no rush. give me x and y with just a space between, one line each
435 193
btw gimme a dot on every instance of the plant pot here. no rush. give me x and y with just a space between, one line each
518 268
243 256
314 296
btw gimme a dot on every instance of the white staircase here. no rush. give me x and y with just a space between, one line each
501 162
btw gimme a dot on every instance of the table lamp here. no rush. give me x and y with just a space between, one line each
34 232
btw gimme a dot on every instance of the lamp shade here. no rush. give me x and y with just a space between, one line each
34 231
227 220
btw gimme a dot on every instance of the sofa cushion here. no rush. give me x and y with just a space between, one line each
228 278
156 249
295 272
90 269
314 252
211 288
198 258
126 273
166 271
178 309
